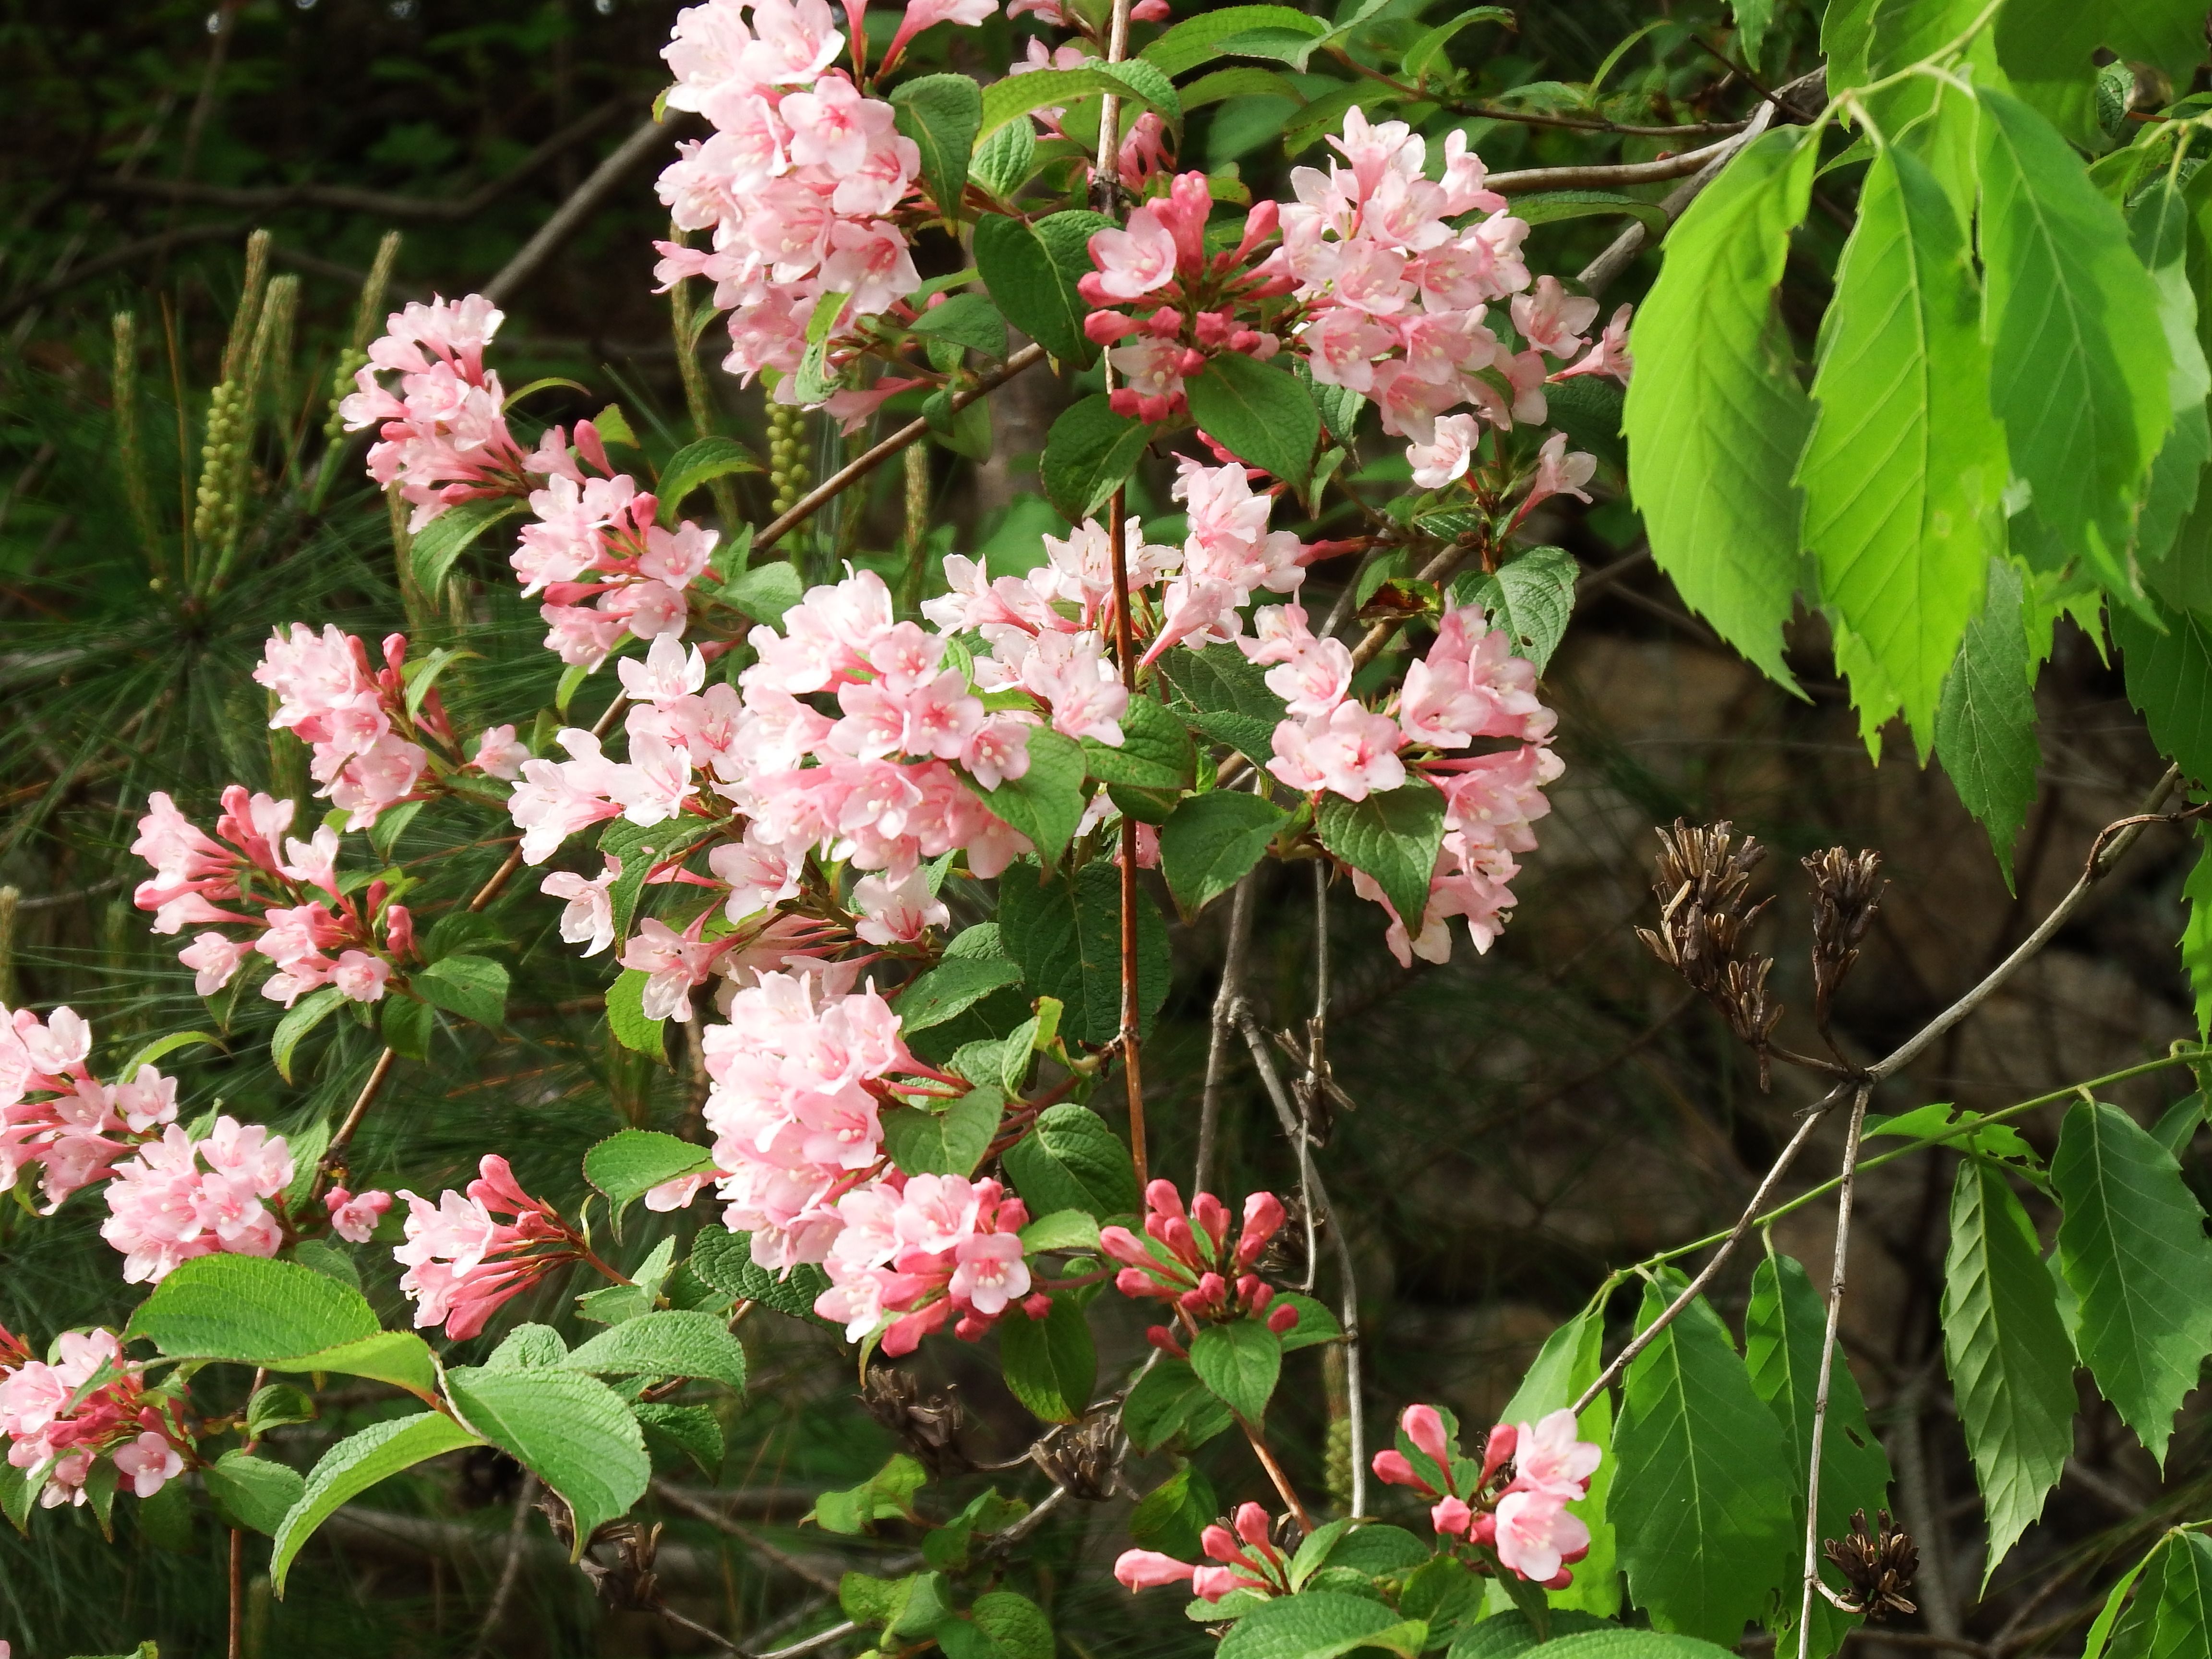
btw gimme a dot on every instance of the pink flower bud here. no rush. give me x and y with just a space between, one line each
395 652
1485 1530
1120 1245
1137 1569
1136 1281
1452 1518
1260 224
1104 327
1181 1242
1263 1218
1220 1544
1091 286
972 1327
935 301
1497 1448
1211 1215
1393 1470
1426 1430
1013 1215
1163 1339
594 449
1192 362
1165 324
1162 1199
1037 1307
1213 1291
1128 404
1281 1318
1254 1293
1251 1524
1212 1583
1560 1580
1150 11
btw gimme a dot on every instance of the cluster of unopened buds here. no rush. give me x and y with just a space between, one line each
1244 1553
1185 1260
89 1402
472 1250
1514 1502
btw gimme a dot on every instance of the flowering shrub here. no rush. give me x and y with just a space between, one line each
885 851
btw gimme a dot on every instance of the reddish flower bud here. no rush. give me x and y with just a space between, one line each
1425 1429
1120 1245
1089 286
1560 1580
1485 1530
1220 1544
1128 404
1263 1219
1104 327
1393 1470
1498 1448
1251 1524
1037 1307
1192 362
1452 1517
1211 1215
1165 324
1283 1317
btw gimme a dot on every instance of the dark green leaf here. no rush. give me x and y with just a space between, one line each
1066 934
1072 1161
1046 802
2196 935
1322 1625
1195 39
1050 1364
1167 1401
1001 1626
475 987
274 1404
665 1343
1155 752
407 1025
1985 723
252 1493
1088 452
1226 697
953 987
445 538
1170 1517
942 113
572 1432
697 464
1032 275
950 1142
1259 413
2169 679
1003 162
694 1431
724 1259
1212 840
1392 837
1240 1362
1531 598
626 1014
352 1467
965 319
301 1018
631 1162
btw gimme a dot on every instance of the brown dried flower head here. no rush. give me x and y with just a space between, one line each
929 1427
1847 888
1705 915
1880 1564
1086 1458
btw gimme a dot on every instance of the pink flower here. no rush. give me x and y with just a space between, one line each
1551 319
1548 1457
991 1273
1438 463
897 912
1133 261
922 14
1610 355
588 918
675 962
1352 752
1536 1536
147 1463
498 754
463 1262
1558 473
361 976
213 959
354 1216
177 1200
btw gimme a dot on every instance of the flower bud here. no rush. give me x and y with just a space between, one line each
1212 1583
1220 1544
1392 1470
1452 1517
1120 1245
1038 1307
1425 1429
1211 1216
1251 1524
1139 1570
1104 327
1281 1317
1497 1448
1263 1218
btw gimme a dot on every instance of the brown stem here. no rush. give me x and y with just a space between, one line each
1274 1473
1828 1359
1223 1033
237 1647
852 471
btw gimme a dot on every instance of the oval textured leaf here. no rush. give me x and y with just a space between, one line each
572 1432
352 1467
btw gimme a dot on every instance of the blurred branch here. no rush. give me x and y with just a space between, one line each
570 215
129 253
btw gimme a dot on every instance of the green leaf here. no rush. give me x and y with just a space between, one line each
1258 412
626 1015
1530 597
665 1343
475 987
1785 1332
1031 271
2045 47
1904 469
2078 364
1316 1323
1392 838
1428 52
252 1311
1211 840
2183 1626
1715 415
953 987
1545 207
1072 1161
631 1162
301 1018
1169 1399
965 319
407 1025
442 541
765 592
1509 1635
694 1431
1063 1229
571 1431
352 1467
1701 1499
723 1260
1155 752
2169 679
1170 1517
942 113
886 1495
2197 936
2163 227
1196 39
1610 1642
950 1142
2116 1601
1240 1362
1226 697
698 463
399 1357
1985 723
1321 1625
160 1049
1050 1364
2010 1362
1135 83
2132 1245
1090 451
253 1492
526 1346
1003 162
641 849
1066 934
616 1304
1001 1626
1046 802
273 1404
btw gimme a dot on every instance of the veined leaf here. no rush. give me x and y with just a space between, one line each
2184 1630
2169 679
1066 934
665 1343
1050 1364
1985 723
1715 415
439 547
697 464
1072 1161
941 113
2046 48
1211 840
2197 936
352 1467
2010 1360
2132 1245
1240 1362
1905 464
1260 413
1700 1499
1391 837
1320 1624
571 1430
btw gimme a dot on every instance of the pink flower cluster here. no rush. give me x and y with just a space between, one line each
462 1261
56 1117
1470 685
1247 1559
53 1422
328 697
180 1198
1514 1502
1185 1260
595 538
798 182
442 438
351 941
917 1249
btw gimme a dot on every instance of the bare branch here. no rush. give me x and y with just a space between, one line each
570 215
1242 904
1828 1358
510 1571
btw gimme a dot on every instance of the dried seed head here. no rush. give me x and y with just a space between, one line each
1703 889
931 1428
1743 999
626 1582
1847 887
1086 1459
1879 1563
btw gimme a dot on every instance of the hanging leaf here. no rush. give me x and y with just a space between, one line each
1211 840
1258 412
1985 723
1066 934
1089 454
1046 802
942 115
352 1467
571 1431
1050 1363
1392 838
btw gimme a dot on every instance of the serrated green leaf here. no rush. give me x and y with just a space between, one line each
1001 1626
301 1018
1240 1362
1321 1625
2169 679
274 1404
1046 802
1226 697
1211 840
968 320
1904 469
572 1432
953 987
1610 1642
1258 412
1050 1364
1018 94
1062 1230
697 464
2078 367
1985 722
1699 1500
253 1492
1715 415
475 987
723 1260
1170 1517
631 1162
1530 597
1165 1402
885 1495
1088 452
1568 1363
352 1467
665 1343
1392 838
1066 934
641 849
694 1431
2010 1361
2116 1600
1003 162
950 1142
2132 1245
626 1015
942 113
2045 49
1196 39
439 545
250 1310
765 592
1072 1161
526 1346
1032 272
1155 752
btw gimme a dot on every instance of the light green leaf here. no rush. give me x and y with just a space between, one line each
440 543
698 463
1546 206
250 1310
1211 840
1614 1643
1985 723
1018 94
968 320
1003 162
1169 1399
1904 467
526 1346
1046 802
884 1496
631 1162
1240 1362
2045 47
1226 697
950 1142
475 987
1066 934
2197 936
694 1431
1392 838
1569 1361
1258 412
1155 752
253 1492
942 113
953 988
301 1018
1321 1625
2132 1245
765 592
572 1432
665 1343
1001 1626
352 1467
2116 1601
626 1015
1063 1229
1050 1364
1508 1635
2010 1362
1072 1161
399 1357
160 1049
2078 364
1195 39
1700 1499
274 1404
1715 415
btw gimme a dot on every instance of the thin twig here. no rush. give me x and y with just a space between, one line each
571 214
117 257
819 1640
1242 904
1348 1308
676 1497
1613 175
510 1572
1828 1358
913 431
1284 1489
237 1599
